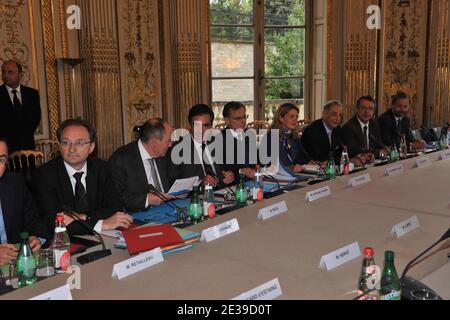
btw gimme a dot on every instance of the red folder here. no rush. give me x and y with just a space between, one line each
151 237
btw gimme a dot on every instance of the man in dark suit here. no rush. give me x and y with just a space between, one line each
361 133
192 157
323 136
20 111
80 181
18 212
236 141
395 123
143 163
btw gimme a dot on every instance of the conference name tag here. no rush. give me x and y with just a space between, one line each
61 294
267 291
339 257
138 263
220 230
360 180
273 210
318 194
395 170
445 155
405 227
423 162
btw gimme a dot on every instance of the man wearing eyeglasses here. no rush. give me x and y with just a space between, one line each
79 181
236 141
18 212
197 159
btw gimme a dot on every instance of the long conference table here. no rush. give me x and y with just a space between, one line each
290 246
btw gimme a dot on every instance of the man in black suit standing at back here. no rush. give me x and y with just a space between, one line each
143 163
323 136
20 111
80 181
361 133
18 212
395 123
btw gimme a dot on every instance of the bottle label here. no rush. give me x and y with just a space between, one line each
258 194
27 266
209 209
366 296
59 229
62 259
393 295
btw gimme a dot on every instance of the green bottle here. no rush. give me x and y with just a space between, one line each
241 191
26 262
330 170
195 209
390 283
393 153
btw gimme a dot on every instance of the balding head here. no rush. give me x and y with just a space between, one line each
12 73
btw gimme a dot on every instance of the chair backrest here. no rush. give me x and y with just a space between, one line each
221 126
49 149
25 161
258 125
301 126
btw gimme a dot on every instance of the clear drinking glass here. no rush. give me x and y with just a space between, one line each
45 263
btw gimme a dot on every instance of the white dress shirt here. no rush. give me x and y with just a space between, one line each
11 94
71 171
329 132
368 130
148 170
198 148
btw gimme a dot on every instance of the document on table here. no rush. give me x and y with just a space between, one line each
182 186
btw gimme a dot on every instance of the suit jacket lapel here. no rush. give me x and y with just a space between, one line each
91 183
4 93
68 196
358 131
140 176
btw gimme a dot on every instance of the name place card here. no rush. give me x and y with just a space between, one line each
272 211
395 170
339 257
423 162
360 180
137 263
405 227
267 291
445 155
59 294
318 194
220 230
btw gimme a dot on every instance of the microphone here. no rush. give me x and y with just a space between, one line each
161 196
92 256
408 283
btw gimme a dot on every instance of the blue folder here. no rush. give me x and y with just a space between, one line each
162 214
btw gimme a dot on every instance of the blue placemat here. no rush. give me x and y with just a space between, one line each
162 214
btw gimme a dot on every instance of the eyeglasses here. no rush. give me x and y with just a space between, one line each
78 143
3 160
240 118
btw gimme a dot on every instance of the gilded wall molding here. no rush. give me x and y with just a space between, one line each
139 51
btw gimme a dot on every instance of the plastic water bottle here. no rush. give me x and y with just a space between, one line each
26 263
209 206
61 246
344 166
258 187
241 191
195 209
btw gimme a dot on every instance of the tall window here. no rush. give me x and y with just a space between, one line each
257 55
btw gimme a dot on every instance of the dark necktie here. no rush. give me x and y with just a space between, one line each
366 147
16 102
209 171
81 201
154 174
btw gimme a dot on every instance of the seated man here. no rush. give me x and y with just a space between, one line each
323 136
143 163
395 123
361 133
236 143
18 212
80 182
191 156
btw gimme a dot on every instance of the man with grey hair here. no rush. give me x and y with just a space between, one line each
143 163
323 135
20 111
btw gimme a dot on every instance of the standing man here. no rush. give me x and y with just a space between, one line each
20 111
80 181
361 133
395 123
323 136
18 212
143 163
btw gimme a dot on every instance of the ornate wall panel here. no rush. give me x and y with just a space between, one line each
360 56
140 61
405 53
441 103
100 72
